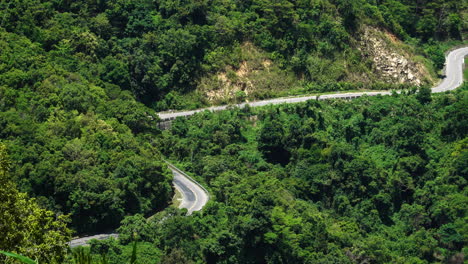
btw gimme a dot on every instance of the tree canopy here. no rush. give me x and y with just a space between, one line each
376 179
27 228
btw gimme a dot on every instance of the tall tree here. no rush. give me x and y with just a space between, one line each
26 228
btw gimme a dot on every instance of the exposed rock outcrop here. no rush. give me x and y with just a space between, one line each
390 63
237 86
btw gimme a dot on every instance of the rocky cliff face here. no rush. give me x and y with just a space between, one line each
391 63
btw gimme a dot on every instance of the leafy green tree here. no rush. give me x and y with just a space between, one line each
176 256
436 55
424 95
26 228
270 142
134 228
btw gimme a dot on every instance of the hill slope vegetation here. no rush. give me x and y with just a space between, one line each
80 82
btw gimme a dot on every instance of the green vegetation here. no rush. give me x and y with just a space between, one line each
374 180
161 50
465 70
79 147
25 227
19 257
80 255
98 254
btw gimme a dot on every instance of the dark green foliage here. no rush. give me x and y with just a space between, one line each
270 142
134 228
82 255
28 231
104 252
377 179
436 54
176 256
133 258
424 95
79 146
153 48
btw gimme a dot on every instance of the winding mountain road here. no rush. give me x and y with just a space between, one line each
453 79
453 70
194 196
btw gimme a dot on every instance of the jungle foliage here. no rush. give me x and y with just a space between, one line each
161 49
26 228
378 179
375 180
79 147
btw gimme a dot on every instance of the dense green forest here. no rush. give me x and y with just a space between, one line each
161 50
80 147
373 180
25 226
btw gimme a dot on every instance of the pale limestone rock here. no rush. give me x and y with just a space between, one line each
392 66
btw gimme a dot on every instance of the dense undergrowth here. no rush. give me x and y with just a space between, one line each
377 179
80 82
162 50
79 147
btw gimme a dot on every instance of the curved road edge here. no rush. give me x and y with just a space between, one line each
190 195
453 71
194 197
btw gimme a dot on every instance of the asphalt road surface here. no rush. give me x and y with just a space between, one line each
453 79
84 240
194 196
453 71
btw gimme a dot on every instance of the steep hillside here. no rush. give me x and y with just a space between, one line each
380 61
392 60
80 82
255 76
71 73
203 50
372 180
79 147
